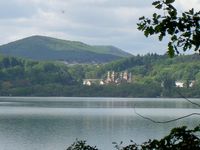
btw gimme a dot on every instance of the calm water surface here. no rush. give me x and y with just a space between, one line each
55 123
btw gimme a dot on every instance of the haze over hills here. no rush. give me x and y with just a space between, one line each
48 48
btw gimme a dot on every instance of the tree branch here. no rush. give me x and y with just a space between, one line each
167 121
196 104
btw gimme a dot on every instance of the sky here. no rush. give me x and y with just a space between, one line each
94 22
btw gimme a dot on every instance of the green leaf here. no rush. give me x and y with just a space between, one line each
159 6
142 18
186 34
151 30
154 15
140 27
173 14
191 11
174 38
160 37
170 50
158 28
197 128
169 1
197 48
171 7
146 32
156 3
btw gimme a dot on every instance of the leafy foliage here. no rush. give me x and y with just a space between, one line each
153 76
183 30
81 145
14 69
180 138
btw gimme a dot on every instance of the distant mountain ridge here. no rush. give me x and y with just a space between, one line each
48 48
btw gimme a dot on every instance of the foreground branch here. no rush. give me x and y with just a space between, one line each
196 104
167 121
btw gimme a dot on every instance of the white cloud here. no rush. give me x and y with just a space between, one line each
111 22
185 5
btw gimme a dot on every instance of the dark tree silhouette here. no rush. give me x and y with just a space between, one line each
183 29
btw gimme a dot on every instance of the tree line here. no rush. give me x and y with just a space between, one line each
153 76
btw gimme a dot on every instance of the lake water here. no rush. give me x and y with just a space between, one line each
53 123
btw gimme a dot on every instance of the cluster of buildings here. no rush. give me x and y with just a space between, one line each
182 84
112 78
117 78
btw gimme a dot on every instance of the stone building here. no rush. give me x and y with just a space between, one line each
118 77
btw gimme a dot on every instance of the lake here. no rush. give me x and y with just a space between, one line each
53 123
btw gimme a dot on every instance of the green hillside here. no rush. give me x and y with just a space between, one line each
47 48
153 66
152 76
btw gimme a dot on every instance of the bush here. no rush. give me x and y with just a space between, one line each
81 145
180 138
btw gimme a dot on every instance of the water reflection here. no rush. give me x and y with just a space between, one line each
54 123
61 102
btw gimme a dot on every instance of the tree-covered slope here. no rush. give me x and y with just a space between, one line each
47 48
185 67
152 76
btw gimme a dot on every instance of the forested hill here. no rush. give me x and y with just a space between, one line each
152 76
153 66
48 48
151 62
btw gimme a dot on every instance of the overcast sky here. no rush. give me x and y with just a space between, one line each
94 22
